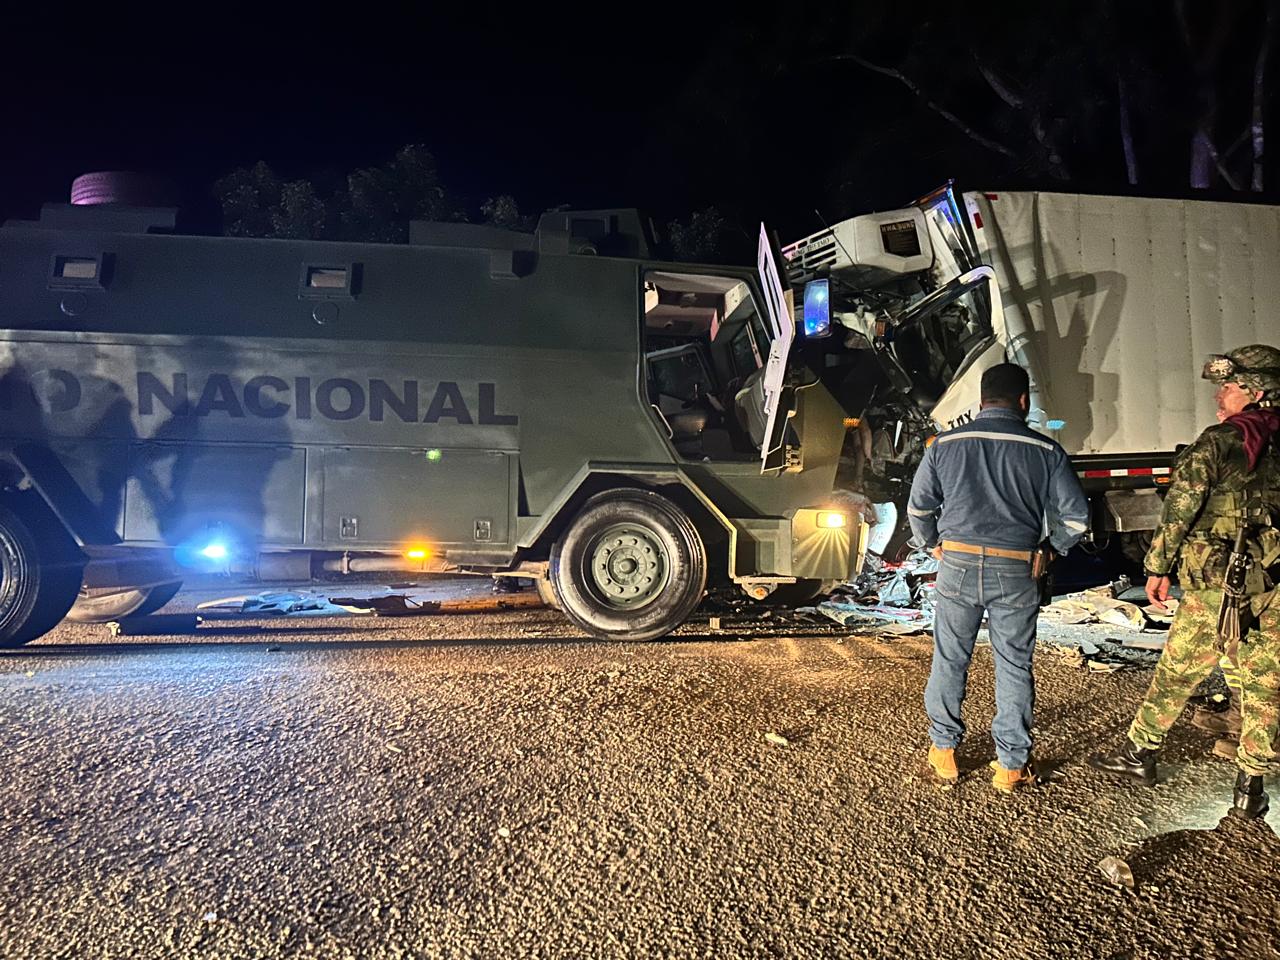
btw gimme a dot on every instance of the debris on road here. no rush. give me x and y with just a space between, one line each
893 597
1117 871
1144 642
156 624
404 601
1103 605
293 603
777 739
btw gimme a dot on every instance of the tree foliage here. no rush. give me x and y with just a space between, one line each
373 204
708 237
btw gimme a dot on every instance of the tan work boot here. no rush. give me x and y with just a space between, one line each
1226 748
1007 781
1217 721
943 761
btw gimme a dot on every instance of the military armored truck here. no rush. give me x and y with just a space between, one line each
556 405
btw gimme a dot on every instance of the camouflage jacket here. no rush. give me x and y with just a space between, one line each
1208 490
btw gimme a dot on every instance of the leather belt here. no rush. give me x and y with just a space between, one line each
956 547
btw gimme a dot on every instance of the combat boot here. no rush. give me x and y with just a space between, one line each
1250 802
1131 761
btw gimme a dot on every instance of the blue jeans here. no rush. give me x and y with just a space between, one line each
967 585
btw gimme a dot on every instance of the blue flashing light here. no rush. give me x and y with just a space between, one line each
817 309
1056 424
210 549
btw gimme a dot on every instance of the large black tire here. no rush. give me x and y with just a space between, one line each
130 603
547 593
631 566
39 576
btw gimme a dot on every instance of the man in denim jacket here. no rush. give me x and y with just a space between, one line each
985 496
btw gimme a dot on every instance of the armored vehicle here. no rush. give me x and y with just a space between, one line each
555 405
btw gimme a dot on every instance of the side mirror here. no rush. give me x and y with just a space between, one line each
817 309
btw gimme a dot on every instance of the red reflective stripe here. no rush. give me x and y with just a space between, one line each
1092 474
1141 471
977 219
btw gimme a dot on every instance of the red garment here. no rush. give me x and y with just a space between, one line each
1257 427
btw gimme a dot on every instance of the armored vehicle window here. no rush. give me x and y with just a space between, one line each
746 353
78 272
329 280
680 373
76 268
702 342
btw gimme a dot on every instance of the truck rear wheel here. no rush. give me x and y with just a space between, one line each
128 603
631 566
38 581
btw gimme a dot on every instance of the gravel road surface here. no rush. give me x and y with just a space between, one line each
499 786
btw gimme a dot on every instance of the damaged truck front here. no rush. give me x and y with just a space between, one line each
902 316
1110 303
556 405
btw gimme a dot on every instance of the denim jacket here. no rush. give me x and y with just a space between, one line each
995 482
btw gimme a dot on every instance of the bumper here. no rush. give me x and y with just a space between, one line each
809 546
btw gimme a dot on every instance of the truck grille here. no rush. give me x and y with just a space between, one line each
811 256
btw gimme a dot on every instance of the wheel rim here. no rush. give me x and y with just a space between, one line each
629 566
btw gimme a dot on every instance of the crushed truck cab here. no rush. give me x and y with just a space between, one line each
556 405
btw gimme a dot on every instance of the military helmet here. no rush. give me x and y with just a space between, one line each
1255 367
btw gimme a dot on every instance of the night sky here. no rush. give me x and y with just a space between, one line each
549 113
663 108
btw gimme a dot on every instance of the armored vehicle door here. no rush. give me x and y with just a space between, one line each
778 398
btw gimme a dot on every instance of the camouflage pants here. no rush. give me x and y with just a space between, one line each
1191 653
1232 676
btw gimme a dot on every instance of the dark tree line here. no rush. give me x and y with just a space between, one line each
850 107
375 205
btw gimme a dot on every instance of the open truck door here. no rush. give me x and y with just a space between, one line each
779 399
958 254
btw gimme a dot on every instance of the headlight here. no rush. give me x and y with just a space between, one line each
832 520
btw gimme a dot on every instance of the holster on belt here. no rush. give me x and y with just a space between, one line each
1041 557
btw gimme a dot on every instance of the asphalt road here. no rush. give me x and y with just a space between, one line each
498 786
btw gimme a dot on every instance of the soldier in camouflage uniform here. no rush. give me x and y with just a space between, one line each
1230 475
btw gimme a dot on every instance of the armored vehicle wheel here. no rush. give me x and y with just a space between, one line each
129 603
547 593
632 566
38 583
